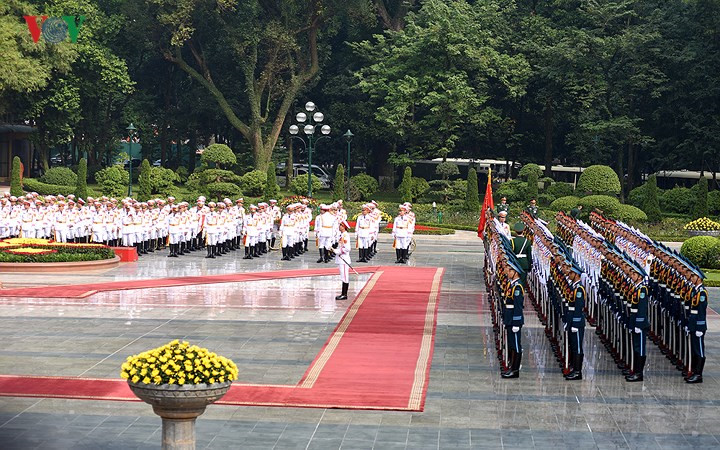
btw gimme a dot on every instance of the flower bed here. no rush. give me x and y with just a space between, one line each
19 250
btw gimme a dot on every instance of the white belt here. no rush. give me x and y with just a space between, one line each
509 306
633 310
521 255
693 312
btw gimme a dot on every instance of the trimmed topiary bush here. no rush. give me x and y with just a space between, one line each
272 190
630 213
714 202
299 184
339 183
530 169
405 188
145 188
599 180
447 170
81 189
636 197
712 258
700 208
220 155
651 203
532 186
419 187
163 181
472 197
565 203
253 183
608 205
560 189
513 190
365 185
545 199
697 249
32 185
113 181
677 200
63 176
15 181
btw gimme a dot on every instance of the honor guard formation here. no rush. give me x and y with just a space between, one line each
626 285
218 227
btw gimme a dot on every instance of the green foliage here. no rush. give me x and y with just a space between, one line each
405 187
253 183
701 251
651 203
528 170
182 173
15 183
63 176
162 182
299 184
700 208
272 190
560 189
608 205
63 254
339 183
218 154
565 203
472 197
677 200
714 202
419 187
32 185
365 184
532 185
513 190
145 188
637 196
215 183
599 180
113 181
447 170
545 199
81 189
630 213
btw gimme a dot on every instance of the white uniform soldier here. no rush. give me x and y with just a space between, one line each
251 233
401 233
276 215
342 258
363 230
27 221
288 233
325 226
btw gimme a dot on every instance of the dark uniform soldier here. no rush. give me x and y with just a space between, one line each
522 249
697 325
576 323
575 212
502 206
639 323
532 209
513 321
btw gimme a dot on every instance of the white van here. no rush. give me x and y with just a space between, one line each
301 169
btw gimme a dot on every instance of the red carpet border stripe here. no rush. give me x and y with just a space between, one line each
378 356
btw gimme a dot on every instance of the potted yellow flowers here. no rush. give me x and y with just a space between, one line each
179 380
703 227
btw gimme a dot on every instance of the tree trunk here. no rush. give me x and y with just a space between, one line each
548 134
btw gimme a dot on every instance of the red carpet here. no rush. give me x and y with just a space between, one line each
378 357
85 290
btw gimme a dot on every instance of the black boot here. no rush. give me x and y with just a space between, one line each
247 253
514 371
398 257
218 250
181 246
210 252
172 251
322 256
151 246
696 376
285 251
343 296
306 241
508 369
361 255
637 374
576 373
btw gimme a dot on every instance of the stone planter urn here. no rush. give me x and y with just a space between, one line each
179 406
714 233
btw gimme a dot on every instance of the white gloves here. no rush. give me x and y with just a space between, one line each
638 330
698 333
573 329
515 329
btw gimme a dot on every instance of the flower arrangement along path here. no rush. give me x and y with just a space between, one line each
378 356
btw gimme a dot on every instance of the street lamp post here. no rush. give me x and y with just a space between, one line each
348 136
313 119
131 133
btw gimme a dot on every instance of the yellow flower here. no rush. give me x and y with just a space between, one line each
135 379
181 381
125 375
211 381
143 372
146 380
221 379
133 371
171 381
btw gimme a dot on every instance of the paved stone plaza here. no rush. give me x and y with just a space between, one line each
274 329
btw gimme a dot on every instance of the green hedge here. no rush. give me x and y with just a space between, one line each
62 176
565 203
439 231
703 251
610 206
32 185
64 254
599 180
677 200
629 213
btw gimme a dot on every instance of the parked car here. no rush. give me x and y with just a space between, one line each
301 169
135 163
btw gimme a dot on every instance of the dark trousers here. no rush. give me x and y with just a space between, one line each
698 345
513 339
575 341
639 342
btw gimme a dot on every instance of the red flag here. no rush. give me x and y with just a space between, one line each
487 204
